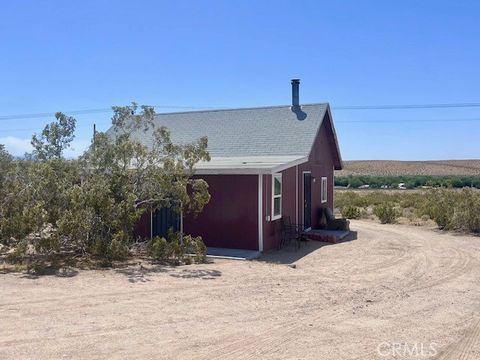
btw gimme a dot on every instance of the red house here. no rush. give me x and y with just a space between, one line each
266 163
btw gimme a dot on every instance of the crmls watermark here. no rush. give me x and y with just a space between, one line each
414 350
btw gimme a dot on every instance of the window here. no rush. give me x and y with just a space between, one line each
324 190
276 196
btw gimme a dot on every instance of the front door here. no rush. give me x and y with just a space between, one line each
307 200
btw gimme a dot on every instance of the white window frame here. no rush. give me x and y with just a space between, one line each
276 176
324 189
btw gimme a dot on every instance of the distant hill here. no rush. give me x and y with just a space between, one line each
399 168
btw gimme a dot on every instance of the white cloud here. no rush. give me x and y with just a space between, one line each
16 146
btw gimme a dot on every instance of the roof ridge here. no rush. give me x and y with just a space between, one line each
239 108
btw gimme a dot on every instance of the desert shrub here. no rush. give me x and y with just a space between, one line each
108 250
386 213
158 248
92 204
47 248
466 215
349 198
439 205
177 249
18 253
453 210
196 246
450 209
118 249
351 212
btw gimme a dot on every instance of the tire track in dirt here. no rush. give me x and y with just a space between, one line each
458 265
268 341
392 256
461 350
272 340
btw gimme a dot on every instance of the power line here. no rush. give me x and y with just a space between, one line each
346 107
86 111
397 122
407 121
13 130
48 114
406 106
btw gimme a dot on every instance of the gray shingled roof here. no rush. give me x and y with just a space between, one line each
258 136
265 131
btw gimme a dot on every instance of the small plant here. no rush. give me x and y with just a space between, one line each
176 248
200 250
19 253
158 249
386 213
466 216
351 212
118 249
439 206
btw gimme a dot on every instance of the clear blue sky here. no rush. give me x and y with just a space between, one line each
61 56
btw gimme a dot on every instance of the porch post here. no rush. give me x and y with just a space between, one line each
181 224
296 194
151 224
260 212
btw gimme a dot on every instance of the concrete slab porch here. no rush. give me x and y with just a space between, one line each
333 236
234 254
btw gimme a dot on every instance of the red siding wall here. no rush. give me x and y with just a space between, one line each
230 218
142 227
320 164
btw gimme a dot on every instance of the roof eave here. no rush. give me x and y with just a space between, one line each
290 164
233 171
258 170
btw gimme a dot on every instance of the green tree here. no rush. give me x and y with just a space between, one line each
55 138
122 178
91 205
5 166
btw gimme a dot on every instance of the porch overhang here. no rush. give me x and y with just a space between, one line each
257 165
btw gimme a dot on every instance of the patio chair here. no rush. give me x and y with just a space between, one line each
291 232
329 222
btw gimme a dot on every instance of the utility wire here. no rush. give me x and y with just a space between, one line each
408 106
86 111
347 107
396 122
406 121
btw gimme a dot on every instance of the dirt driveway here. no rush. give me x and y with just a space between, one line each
395 292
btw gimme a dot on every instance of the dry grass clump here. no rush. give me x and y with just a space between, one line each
450 209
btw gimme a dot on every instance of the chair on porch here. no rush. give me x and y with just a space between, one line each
291 232
329 222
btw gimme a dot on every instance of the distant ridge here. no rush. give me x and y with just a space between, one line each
398 168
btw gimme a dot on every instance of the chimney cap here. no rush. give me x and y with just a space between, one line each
295 81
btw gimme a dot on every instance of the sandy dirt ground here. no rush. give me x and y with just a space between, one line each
395 292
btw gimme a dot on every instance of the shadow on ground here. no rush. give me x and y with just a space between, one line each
289 255
65 272
140 273
204 274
